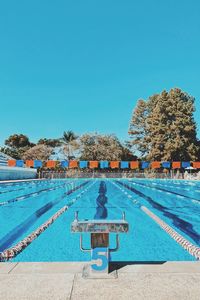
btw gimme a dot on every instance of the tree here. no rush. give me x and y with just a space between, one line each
50 142
17 141
138 128
127 155
13 153
17 144
102 147
70 144
40 152
167 130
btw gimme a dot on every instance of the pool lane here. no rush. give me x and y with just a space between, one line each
174 190
14 186
27 195
15 213
179 212
19 219
146 241
13 193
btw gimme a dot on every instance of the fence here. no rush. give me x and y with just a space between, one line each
103 174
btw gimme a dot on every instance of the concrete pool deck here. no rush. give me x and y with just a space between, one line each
156 281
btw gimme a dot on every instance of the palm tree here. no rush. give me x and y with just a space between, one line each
70 144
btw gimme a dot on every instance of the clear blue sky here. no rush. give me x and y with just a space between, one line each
82 65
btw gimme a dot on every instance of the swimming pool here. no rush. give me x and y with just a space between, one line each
25 206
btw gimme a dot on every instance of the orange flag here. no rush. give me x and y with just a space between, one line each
93 164
73 164
196 164
51 164
114 164
29 163
176 165
134 164
155 164
11 163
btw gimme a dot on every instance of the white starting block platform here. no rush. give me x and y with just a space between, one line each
99 239
100 226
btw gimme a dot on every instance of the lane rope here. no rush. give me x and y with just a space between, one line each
15 250
20 246
37 193
183 242
191 248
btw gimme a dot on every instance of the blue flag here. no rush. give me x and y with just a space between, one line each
104 164
83 164
19 163
166 164
145 164
124 164
64 164
37 164
185 164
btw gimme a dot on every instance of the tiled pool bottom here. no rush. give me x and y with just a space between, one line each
25 206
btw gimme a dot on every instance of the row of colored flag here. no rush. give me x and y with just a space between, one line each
27 163
105 164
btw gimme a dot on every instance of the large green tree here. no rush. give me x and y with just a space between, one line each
138 128
163 127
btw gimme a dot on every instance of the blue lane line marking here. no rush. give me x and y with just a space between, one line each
27 186
30 194
177 222
164 190
16 232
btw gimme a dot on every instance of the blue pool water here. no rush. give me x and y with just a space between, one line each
24 206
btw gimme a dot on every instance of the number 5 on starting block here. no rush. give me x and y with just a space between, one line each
102 255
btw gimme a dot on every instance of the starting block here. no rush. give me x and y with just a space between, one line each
100 250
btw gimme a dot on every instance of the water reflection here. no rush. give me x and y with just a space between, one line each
101 210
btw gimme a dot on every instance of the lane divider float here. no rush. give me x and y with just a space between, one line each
20 246
183 242
191 248
26 196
